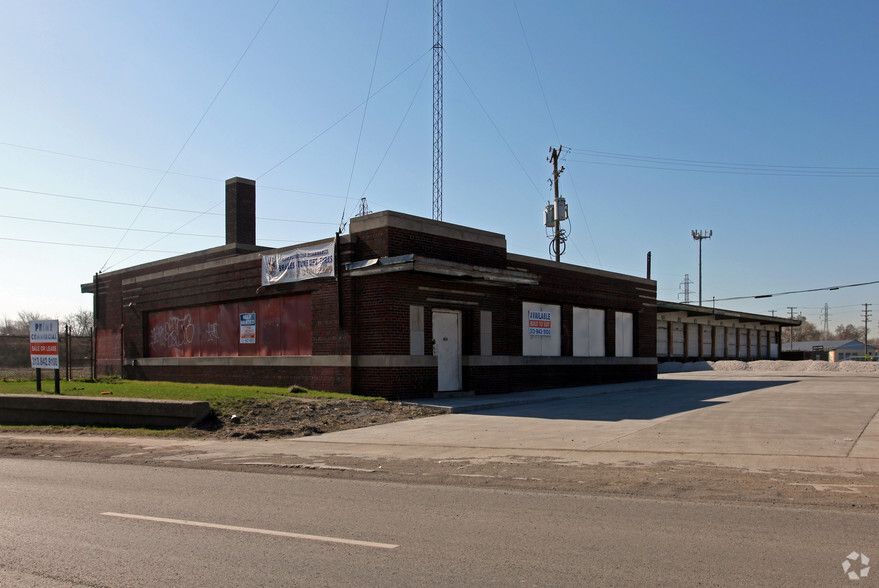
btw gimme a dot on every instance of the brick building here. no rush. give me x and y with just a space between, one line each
399 307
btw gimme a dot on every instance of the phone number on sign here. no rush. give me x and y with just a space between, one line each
50 362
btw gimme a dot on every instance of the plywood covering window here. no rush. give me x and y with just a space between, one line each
265 327
589 332
625 330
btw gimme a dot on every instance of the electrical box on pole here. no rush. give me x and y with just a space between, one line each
557 211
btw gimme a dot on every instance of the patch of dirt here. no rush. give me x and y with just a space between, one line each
299 417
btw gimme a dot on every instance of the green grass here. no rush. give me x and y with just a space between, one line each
213 393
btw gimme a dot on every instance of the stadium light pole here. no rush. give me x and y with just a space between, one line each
699 236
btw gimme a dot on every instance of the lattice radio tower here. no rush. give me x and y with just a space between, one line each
438 110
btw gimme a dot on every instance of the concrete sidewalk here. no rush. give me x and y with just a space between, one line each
454 405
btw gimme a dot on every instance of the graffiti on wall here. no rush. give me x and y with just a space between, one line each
273 326
210 332
173 333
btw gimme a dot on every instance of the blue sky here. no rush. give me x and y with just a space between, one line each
756 120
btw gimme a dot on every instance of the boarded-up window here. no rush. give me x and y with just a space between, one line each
271 326
484 332
589 332
541 329
625 331
416 330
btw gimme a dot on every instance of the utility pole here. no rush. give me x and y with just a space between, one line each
772 312
699 236
792 309
559 208
867 312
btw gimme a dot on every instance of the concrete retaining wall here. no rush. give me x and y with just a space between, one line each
34 409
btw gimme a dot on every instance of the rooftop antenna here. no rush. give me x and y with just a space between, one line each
363 209
438 110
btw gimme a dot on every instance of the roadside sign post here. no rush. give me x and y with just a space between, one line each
44 350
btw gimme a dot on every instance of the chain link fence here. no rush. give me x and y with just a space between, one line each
75 356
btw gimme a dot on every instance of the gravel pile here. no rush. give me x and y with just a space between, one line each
765 365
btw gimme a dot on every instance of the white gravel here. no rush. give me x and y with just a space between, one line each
765 365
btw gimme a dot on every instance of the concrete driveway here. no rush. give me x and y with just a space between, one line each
817 423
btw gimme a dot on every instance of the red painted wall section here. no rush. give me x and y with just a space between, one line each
109 352
283 327
297 314
228 322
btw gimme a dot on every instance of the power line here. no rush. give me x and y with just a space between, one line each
89 246
798 291
155 169
108 162
703 166
396 133
195 128
93 226
162 208
363 118
343 117
536 72
491 120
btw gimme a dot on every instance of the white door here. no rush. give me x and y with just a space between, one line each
447 349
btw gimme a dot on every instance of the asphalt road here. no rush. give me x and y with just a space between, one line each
86 524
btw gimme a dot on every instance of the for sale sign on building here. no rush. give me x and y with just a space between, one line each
44 344
248 327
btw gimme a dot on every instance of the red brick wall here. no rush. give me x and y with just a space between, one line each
369 316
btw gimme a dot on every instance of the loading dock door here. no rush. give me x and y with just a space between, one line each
447 348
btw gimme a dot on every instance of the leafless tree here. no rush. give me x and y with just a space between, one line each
805 332
848 332
80 322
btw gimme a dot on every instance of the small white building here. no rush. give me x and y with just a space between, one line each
838 350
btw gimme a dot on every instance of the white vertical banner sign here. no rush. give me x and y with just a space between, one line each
44 344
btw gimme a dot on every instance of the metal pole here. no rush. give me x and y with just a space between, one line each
700 272
67 350
699 236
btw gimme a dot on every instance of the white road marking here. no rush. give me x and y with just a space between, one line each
842 488
252 530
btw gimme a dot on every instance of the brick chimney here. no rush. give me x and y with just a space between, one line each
240 211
